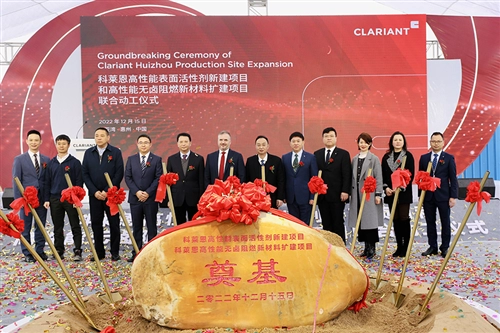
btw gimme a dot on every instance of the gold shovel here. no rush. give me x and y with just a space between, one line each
109 297
389 226
170 198
51 245
419 315
360 214
315 201
398 298
54 277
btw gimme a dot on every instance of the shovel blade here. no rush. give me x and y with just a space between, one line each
115 297
416 315
398 302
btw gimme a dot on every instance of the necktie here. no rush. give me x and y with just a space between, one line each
262 162
37 165
184 163
221 167
184 157
295 164
143 163
327 156
434 163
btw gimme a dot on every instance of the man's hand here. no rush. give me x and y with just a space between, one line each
46 204
388 191
344 196
311 202
142 196
100 195
452 202
279 203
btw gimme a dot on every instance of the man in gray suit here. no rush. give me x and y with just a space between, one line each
30 168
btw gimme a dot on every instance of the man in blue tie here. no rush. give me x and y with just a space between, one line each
142 172
444 198
300 166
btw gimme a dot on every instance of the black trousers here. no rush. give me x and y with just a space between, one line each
180 213
332 216
97 210
57 210
140 212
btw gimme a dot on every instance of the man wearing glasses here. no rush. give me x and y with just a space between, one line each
444 198
142 172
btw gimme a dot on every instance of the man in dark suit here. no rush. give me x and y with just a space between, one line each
220 162
190 167
30 168
96 161
299 166
274 172
336 166
444 198
142 172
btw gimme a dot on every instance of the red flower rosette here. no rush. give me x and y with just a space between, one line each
16 221
425 182
265 185
230 200
473 195
317 185
167 179
115 197
400 178
29 198
369 186
109 329
73 195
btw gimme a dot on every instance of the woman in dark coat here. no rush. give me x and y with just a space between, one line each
391 162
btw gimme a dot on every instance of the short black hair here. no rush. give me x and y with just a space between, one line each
328 130
296 135
183 134
438 133
144 136
63 137
102 129
33 132
262 137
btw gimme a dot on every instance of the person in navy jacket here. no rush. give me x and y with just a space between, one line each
55 183
230 158
444 198
300 166
96 161
142 172
30 168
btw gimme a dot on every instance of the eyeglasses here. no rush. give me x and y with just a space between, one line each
434 141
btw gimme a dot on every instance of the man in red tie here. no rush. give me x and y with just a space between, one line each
220 162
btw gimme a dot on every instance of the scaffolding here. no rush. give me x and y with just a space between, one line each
257 7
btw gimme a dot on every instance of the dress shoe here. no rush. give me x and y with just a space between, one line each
444 253
43 256
29 259
429 252
370 253
78 255
100 258
115 258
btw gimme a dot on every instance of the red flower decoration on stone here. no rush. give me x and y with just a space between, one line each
301 164
66 168
110 158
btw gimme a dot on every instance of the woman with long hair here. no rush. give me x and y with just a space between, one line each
391 161
372 216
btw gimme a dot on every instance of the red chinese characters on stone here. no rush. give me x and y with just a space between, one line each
221 273
266 273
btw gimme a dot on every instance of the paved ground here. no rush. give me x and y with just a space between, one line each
473 271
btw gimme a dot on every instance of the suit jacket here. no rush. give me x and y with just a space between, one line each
373 214
275 177
190 187
137 181
24 169
336 174
296 188
405 196
94 168
446 170
212 166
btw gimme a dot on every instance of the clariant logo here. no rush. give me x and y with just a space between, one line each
364 32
